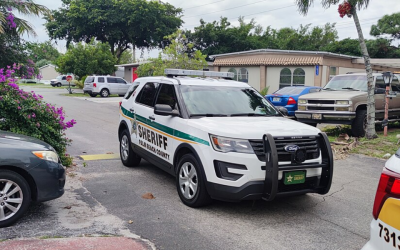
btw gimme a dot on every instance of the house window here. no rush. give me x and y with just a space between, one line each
332 71
299 77
235 72
243 75
285 78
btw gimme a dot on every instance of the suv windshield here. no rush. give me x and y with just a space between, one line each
348 82
225 101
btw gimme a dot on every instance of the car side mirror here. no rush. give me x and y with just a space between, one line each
165 110
379 91
284 111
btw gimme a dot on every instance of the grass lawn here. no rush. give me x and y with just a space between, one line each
86 95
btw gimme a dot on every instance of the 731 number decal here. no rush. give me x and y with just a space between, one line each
389 237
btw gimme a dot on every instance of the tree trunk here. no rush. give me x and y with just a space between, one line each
370 132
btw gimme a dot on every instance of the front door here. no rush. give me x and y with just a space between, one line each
380 97
112 85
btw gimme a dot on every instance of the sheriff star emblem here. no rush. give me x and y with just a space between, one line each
289 178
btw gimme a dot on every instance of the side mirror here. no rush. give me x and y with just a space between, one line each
284 111
165 110
380 91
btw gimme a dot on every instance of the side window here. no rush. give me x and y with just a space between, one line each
235 72
101 79
395 84
120 80
64 78
299 77
111 80
285 78
167 96
380 84
131 90
147 94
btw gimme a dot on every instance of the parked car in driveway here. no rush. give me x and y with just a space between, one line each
105 86
288 96
30 170
61 80
385 225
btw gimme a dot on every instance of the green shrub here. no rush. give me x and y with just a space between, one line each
264 91
26 113
78 83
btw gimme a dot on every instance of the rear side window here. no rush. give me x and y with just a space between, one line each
101 79
111 80
131 90
89 79
147 94
120 80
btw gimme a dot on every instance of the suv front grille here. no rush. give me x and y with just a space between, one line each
321 101
307 143
320 108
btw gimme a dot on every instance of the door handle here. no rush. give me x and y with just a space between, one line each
152 118
132 110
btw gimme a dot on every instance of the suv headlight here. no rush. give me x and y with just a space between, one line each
47 155
225 145
342 102
302 101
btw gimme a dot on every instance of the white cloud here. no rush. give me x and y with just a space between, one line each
287 16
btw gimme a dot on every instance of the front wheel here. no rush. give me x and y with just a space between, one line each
58 84
190 182
15 197
128 157
359 125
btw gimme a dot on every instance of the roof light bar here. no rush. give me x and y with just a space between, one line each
187 72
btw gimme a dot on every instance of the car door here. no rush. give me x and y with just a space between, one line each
112 85
394 102
122 86
379 97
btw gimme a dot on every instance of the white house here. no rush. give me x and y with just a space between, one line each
48 72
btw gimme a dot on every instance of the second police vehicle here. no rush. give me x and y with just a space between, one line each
221 139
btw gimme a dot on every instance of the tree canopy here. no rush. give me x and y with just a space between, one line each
121 24
87 59
42 51
387 25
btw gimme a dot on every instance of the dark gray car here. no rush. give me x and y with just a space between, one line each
30 170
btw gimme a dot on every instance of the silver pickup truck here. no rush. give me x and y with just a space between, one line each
344 101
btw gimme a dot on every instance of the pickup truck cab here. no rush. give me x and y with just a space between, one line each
221 139
344 101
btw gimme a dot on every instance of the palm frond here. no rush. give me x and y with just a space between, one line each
24 26
304 5
360 3
27 7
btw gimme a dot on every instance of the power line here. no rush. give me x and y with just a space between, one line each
226 9
203 5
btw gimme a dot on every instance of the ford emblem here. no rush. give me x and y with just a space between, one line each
291 148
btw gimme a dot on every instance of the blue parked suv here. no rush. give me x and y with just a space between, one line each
288 96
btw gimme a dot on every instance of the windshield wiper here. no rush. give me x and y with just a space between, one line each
351 89
248 114
208 115
329 89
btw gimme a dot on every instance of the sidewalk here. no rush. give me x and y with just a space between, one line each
81 243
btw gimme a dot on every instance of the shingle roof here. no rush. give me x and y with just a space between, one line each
269 61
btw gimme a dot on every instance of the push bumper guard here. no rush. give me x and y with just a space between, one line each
272 168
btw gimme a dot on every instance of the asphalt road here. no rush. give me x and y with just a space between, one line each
338 220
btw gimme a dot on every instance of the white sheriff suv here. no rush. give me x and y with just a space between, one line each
221 139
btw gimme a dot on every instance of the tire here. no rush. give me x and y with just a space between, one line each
128 157
59 85
104 93
93 95
16 181
190 182
359 124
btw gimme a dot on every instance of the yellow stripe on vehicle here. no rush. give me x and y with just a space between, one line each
390 213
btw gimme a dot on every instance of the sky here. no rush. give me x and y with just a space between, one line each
277 14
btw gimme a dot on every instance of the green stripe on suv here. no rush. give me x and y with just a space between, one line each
163 128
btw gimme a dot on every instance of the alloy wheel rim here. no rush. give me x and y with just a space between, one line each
124 147
11 198
188 180
105 93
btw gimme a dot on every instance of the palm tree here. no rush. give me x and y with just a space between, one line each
304 5
25 7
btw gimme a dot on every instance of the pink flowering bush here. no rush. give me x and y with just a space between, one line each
26 113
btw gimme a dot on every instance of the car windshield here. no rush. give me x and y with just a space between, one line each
225 101
290 91
348 82
59 77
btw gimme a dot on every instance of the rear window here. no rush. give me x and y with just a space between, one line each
89 79
289 91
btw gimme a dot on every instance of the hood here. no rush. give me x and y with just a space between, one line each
333 95
252 127
23 141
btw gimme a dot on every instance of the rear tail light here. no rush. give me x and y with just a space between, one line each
120 103
389 186
94 85
291 101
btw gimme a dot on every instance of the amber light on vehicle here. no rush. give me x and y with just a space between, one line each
389 186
